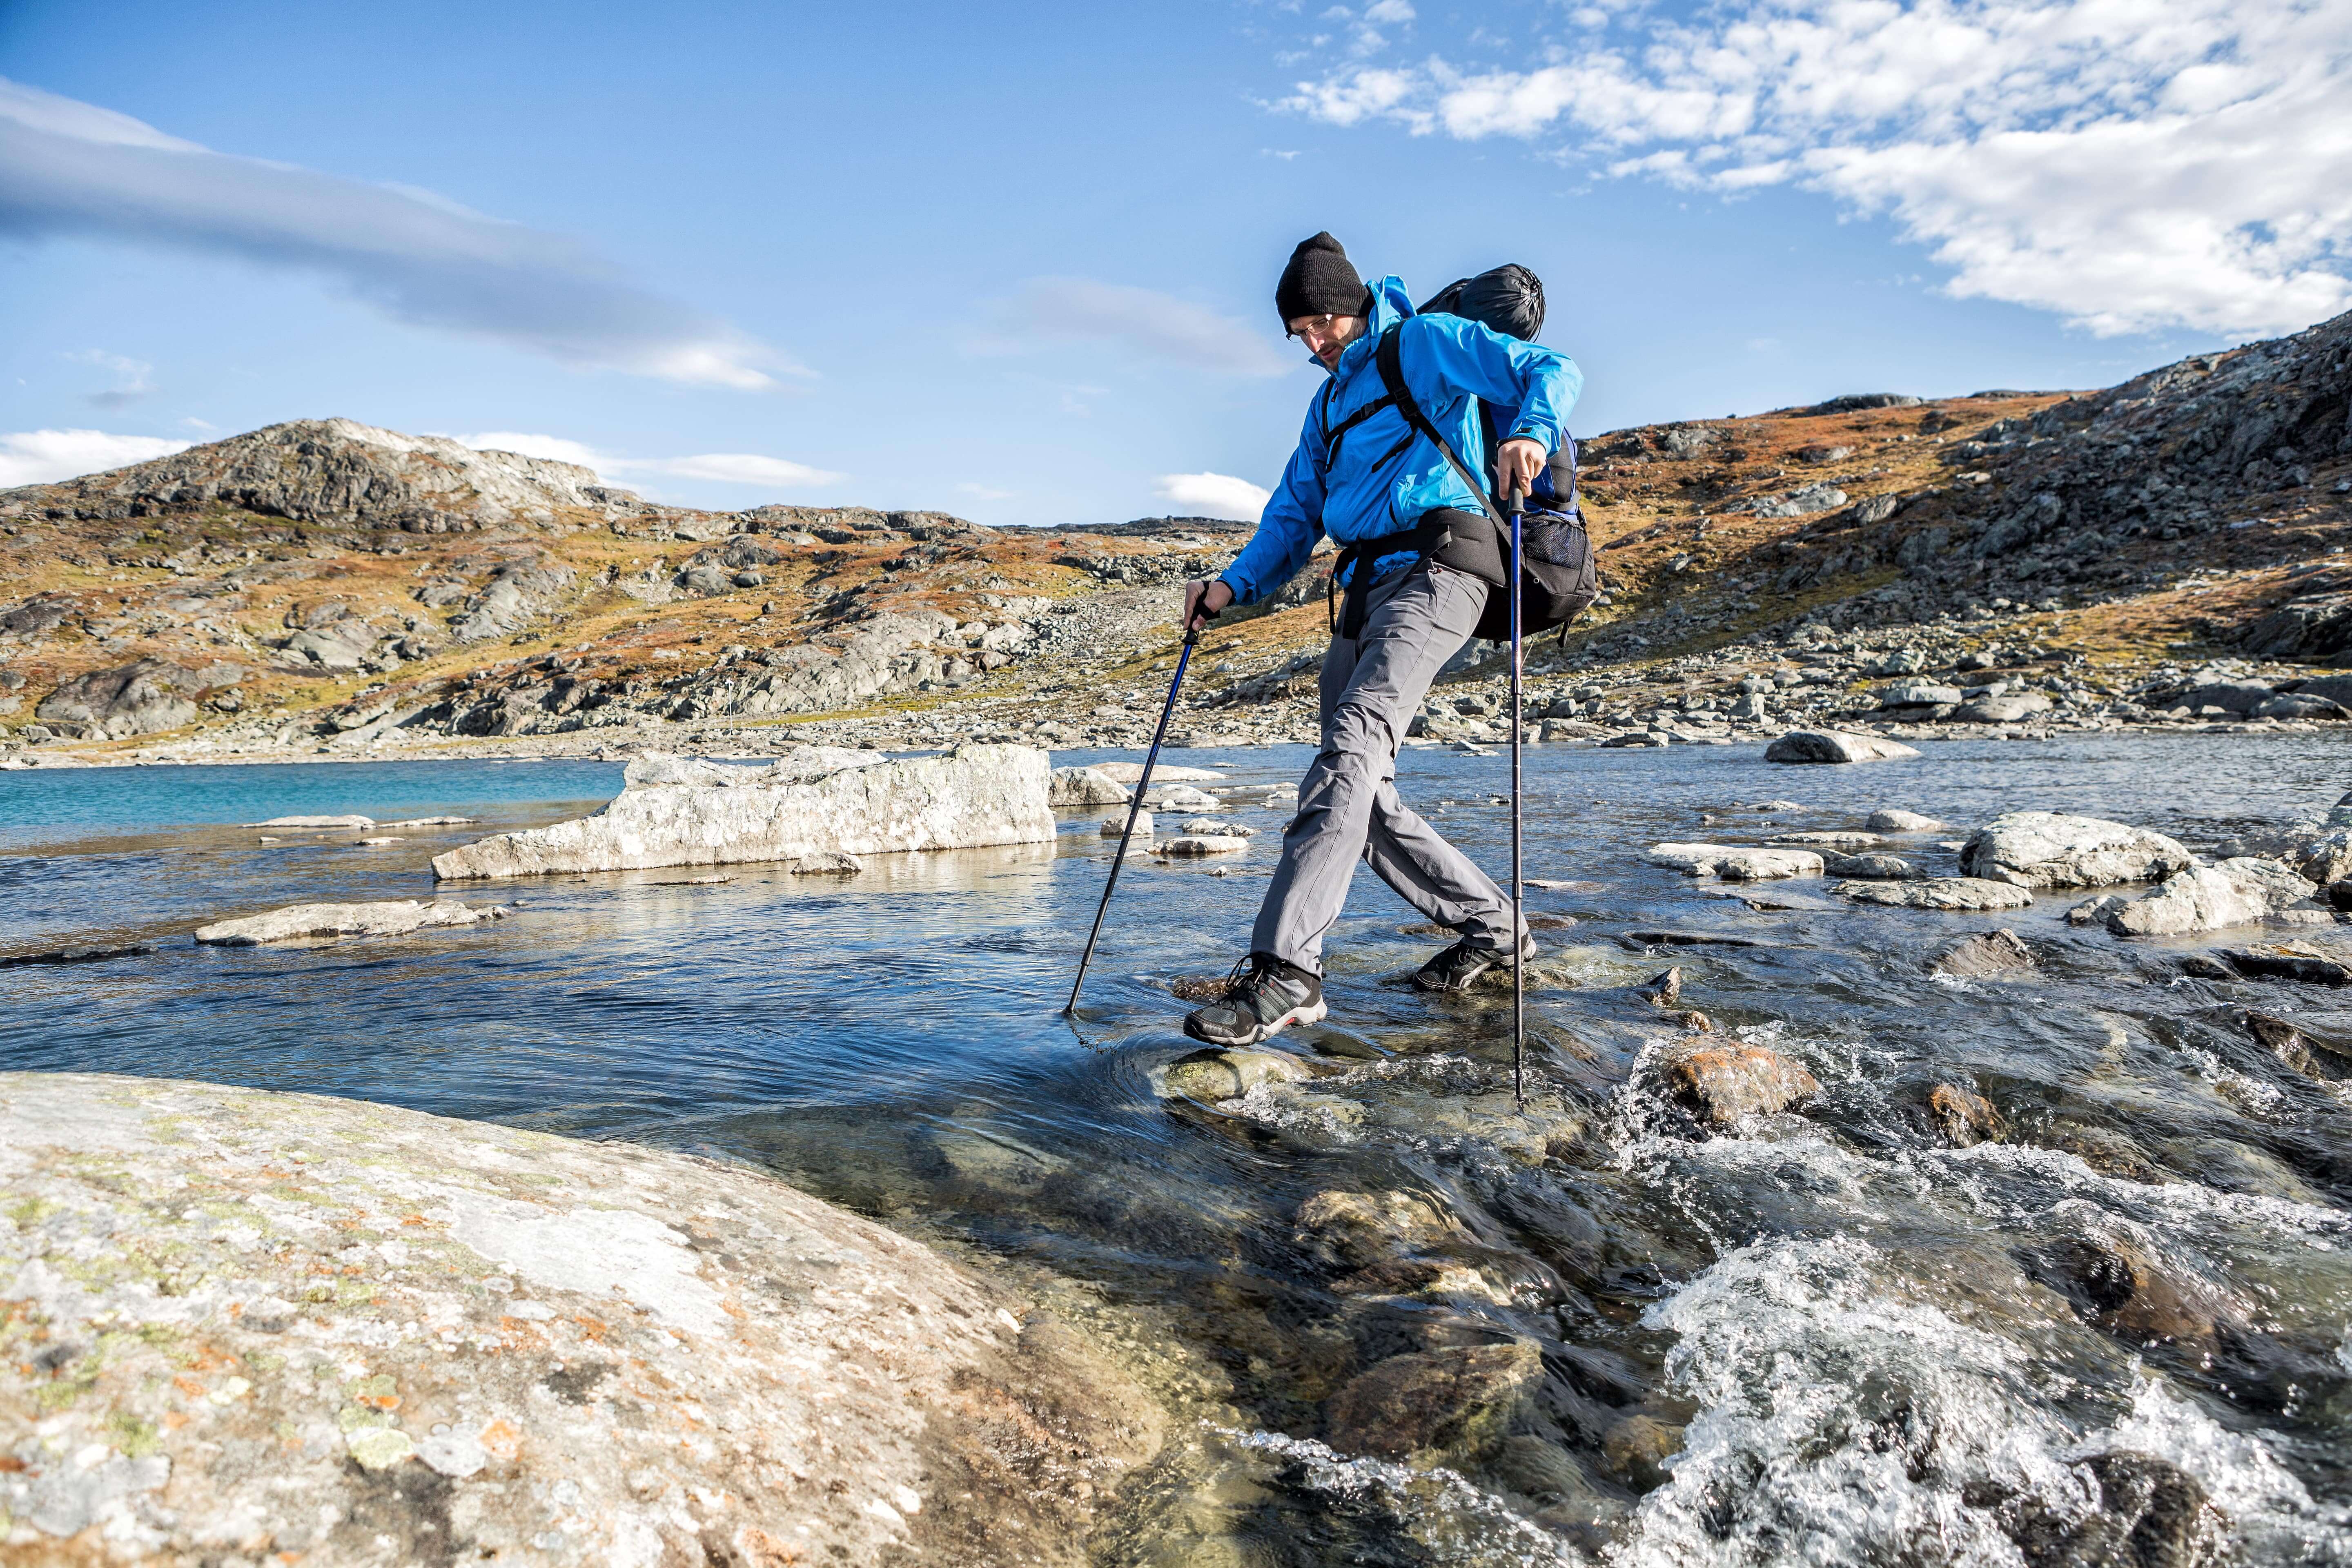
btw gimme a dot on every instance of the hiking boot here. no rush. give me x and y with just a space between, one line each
1263 996
1459 966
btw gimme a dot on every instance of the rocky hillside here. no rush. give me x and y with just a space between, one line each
2001 559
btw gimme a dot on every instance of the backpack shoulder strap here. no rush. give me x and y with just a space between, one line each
1389 357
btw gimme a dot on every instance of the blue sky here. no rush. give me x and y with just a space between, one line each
1017 262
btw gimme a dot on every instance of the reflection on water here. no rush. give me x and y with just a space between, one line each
1827 1335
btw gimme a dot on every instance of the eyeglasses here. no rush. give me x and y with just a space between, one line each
1316 327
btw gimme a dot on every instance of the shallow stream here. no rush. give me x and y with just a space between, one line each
1826 1336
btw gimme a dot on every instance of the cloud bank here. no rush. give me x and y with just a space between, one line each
2130 164
68 168
45 456
723 467
1212 495
1156 325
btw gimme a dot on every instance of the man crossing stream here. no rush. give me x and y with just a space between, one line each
1418 556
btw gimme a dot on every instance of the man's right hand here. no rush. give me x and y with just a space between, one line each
1204 601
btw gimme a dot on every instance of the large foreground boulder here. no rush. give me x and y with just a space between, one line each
247 1327
678 812
2240 891
2050 849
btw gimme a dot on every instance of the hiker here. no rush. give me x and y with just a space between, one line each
1418 554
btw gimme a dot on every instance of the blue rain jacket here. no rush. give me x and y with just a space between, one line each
1386 476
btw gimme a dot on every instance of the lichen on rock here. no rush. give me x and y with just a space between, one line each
236 1325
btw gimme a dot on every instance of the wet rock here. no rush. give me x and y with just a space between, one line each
76 955
1902 822
1447 1406
2321 1059
1986 955
1939 893
321 822
2116 1283
1085 786
2285 962
678 812
2050 849
1833 746
1734 863
2103 1150
2094 911
1637 1450
1842 841
826 863
2210 898
1964 1116
1358 1230
351 1333
1666 990
2321 858
1118 827
301 923
1181 797
1210 1075
2152 1514
1204 843
1873 867
1724 1082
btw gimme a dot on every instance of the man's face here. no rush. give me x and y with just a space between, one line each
1327 337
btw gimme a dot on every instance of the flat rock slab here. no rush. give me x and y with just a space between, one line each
318 822
248 1327
1166 773
2050 849
313 922
1834 746
678 812
1205 844
1734 863
1902 822
1939 893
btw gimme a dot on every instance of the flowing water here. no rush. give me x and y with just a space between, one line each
1822 1337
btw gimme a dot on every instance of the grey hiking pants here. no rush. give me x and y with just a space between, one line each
1348 806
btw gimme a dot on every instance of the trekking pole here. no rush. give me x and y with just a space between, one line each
1518 503
1134 809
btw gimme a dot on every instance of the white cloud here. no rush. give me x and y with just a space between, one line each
1161 326
1214 495
72 168
45 456
1388 13
722 468
984 492
2131 164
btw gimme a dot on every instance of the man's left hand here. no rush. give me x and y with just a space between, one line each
1517 464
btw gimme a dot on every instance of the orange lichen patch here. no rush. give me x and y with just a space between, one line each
500 1439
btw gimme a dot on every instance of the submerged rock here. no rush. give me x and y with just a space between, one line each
1964 1116
2115 1283
1734 863
675 812
2320 1060
1666 990
1984 955
1213 1075
332 822
1637 1450
2282 962
301 923
281 1326
1833 746
1937 893
2151 1514
1724 1082
1446 1407
2050 849
1358 1230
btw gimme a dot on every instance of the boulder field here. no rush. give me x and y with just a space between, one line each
245 1327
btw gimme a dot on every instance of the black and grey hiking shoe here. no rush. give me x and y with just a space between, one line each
1263 996
1459 966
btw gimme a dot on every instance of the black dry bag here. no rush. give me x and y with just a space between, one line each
1509 299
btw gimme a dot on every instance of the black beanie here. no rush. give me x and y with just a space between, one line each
1321 281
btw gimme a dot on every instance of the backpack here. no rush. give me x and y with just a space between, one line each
1559 575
